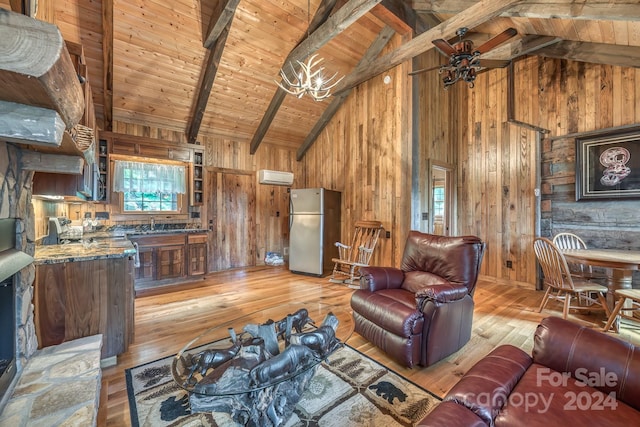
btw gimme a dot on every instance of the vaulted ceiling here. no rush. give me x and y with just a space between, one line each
151 54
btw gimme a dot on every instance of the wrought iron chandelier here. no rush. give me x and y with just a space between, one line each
308 81
463 67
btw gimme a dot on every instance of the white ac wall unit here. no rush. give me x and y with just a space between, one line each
275 177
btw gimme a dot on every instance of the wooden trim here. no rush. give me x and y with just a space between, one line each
511 104
142 159
593 132
229 170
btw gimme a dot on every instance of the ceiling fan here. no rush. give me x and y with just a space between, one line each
464 59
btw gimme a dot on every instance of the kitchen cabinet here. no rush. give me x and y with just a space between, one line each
146 272
170 262
54 184
196 254
169 258
82 298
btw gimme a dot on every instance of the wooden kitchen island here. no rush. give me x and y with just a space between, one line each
85 289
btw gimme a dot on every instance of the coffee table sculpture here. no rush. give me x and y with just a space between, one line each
260 377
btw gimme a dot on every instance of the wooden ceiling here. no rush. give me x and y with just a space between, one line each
151 52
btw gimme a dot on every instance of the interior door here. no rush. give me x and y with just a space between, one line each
231 219
441 199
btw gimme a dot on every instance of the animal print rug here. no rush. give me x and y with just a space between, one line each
349 389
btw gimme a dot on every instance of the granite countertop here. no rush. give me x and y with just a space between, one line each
88 251
127 233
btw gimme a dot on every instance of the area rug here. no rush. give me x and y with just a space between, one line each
349 389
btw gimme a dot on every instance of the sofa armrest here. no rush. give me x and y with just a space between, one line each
440 294
378 278
486 387
450 414
605 362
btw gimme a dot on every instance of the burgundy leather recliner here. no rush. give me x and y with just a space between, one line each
421 312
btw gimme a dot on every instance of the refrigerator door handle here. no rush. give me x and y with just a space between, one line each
290 214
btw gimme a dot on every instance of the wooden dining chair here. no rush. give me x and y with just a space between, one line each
351 257
628 297
562 286
564 241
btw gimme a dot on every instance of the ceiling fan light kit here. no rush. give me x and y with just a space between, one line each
464 60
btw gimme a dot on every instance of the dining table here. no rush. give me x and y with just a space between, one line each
621 262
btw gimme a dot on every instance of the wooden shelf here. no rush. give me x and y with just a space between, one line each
197 178
103 169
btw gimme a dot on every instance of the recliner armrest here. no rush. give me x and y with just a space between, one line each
379 278
611 364
486 387
443 294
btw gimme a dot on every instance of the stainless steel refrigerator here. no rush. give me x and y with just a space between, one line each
314 228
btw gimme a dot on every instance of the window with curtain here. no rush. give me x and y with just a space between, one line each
149 187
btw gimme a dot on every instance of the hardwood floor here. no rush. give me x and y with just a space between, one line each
166 321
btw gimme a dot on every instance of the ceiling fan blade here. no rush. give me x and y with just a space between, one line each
444 47
424 70
497 40
493 63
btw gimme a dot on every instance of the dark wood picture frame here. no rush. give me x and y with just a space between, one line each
608 166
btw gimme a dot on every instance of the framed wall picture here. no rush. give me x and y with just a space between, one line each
608 166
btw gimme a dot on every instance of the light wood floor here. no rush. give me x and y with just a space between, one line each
166 321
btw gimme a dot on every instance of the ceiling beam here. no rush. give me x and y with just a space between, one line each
372 52
475 15
597 53
212 62
626 10
221 17
333 26
519 47
107 61
219 28
396 14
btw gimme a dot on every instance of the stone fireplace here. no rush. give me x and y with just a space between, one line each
56 385
16 291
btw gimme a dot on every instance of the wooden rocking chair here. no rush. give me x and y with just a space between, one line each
347 267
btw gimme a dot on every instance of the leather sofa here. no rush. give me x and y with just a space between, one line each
576 376
421 312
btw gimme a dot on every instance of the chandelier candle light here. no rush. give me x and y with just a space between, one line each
306 80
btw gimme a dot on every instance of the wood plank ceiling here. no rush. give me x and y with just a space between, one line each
158 54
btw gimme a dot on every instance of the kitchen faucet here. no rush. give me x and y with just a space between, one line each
152 223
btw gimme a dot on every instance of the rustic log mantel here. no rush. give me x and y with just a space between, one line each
41 98
36 69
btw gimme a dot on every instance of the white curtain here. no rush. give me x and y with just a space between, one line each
148 178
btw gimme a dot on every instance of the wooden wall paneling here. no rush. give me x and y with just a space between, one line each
81 22
496 178
368 145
